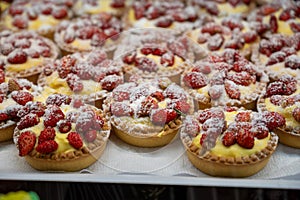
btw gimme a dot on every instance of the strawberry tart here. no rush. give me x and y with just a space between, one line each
62 134
155 53
283 96
230 142
40 16
278 55
22 54
15 94
224 79
88 32
91 76
148 113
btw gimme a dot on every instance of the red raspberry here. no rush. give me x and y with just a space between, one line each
212 28
64 126
245 138
215 42
2 76
85 121
121 109
15 10
210 113
296 114
276 100
249 36
146 106
26 143
195 80
58 99
20 22
53 115
158 95
47 147
162 116
229 138
22 97
146 64
232 90
75 140
17 57
164 22
98 122
191 127
3 116
90 136
181 105
28 121
77 103
74 83
268 9
243 117
110 82
273 120
46 134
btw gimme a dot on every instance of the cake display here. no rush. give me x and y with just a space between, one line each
23 54
224 79
149 113
62 134
229 142
283 96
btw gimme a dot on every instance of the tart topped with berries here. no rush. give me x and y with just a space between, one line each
148 113
283 96
230 142
88 32
155 54
228 32
64 135
169 14
88 75
22 54
280 17
224 79
279 55
224 7
92 7
15 94
40 16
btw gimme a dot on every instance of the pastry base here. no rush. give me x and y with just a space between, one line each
154 140
68 164
6 132
287 138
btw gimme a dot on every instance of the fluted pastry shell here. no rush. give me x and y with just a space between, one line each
6 131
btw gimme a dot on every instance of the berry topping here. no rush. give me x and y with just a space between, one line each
26 142
129 58
47 147
241 78
3 116
121 109
243 117
74 83
28 121
90 136
195 80
110 82
296 114
260 131
58 99
181 106
162 116
53 114
75 140
46 134
85 122
17 57
64 126
229 138
245 138
167 59
22 97
273 120
191 127
232 90
210 113
146 106
146 64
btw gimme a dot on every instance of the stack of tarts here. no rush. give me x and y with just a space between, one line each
230 142
62 134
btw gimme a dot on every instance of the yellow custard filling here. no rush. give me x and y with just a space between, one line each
61 86
233 150
30 63
227 8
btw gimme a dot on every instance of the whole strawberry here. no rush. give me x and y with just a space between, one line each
245 138
28 121
47 147
26 143
273 120
46 134
162 116
75 140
